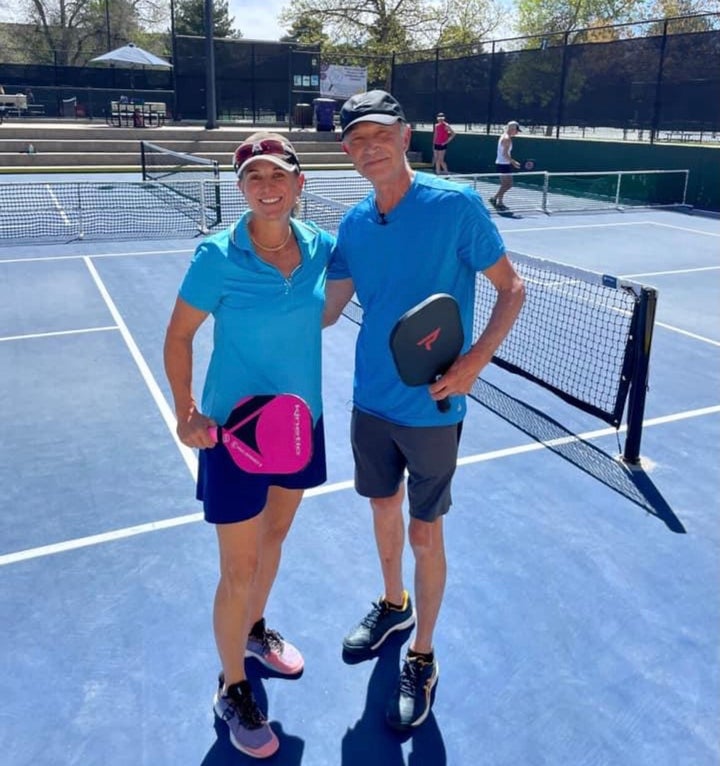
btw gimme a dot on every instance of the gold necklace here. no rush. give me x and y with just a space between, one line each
272 249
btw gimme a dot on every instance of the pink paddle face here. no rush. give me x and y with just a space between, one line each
268 434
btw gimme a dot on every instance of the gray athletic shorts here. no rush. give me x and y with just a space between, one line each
383 451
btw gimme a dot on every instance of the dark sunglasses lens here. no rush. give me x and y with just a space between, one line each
267 146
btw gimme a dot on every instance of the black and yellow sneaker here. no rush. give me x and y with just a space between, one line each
411 703
382 620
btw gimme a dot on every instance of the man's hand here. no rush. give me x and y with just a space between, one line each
461 376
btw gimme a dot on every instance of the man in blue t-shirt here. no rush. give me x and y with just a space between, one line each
413 236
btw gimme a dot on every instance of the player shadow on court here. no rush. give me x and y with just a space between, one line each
223 753
631 482
371 740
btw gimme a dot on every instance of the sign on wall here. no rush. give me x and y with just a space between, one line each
342 81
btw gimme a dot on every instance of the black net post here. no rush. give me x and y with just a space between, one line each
645 318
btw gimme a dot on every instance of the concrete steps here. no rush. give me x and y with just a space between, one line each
18 158
81 146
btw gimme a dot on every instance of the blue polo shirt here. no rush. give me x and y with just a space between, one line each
434 241
267 334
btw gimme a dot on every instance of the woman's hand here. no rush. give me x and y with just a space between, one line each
193 430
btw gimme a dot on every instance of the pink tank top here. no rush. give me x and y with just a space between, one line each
441 133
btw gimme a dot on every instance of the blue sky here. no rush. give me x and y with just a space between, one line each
257 19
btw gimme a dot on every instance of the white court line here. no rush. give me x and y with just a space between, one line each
154 526
167 414
39 258
579 226
669 273
611 225
57 204
686 333
684 228
58 332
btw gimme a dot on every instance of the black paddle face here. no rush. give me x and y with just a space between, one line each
426 341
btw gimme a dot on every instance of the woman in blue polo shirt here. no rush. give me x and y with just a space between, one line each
263 281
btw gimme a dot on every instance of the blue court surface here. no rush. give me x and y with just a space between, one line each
581 618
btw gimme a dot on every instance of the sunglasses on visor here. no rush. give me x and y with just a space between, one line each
264 147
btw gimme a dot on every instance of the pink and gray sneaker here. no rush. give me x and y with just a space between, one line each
273 651
249 730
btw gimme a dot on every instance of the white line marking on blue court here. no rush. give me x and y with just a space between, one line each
167 414
58 332
684 228
669 272
191 518
58 206
125 254
613 225
688 334
581 226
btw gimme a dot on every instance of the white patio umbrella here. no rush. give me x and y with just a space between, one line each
133 57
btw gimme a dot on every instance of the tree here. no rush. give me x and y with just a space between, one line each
306 30
387 26
661 9
465 23
536 17
190 19
71 31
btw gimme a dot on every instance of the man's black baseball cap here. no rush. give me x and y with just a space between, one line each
372 106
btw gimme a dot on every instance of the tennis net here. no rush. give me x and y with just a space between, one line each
177 199
163 168
582 335
546 192
66 211
585 192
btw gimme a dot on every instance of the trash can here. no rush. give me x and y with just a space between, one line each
68 107
303 115
324 113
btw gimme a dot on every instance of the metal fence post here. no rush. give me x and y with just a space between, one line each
210 102
491 89
658 86
563 78
436 106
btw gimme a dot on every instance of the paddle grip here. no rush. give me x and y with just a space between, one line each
443 404
214 433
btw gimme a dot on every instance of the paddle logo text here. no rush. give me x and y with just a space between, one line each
237 446
428 340
297 432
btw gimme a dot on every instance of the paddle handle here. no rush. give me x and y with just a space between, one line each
443 404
